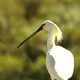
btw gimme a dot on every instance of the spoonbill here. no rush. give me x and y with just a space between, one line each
59 61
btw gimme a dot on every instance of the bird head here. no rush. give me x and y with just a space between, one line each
50 26
47 26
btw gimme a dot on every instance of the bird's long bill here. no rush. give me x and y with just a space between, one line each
40 28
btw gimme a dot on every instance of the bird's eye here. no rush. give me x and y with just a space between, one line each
43 24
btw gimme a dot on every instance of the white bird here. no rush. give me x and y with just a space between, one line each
59 61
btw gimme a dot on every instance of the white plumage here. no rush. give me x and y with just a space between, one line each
59 61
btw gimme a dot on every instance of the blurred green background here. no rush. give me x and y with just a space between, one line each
18 19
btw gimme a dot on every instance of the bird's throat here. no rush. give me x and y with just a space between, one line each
51 40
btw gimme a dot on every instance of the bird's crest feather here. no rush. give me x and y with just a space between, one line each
58 33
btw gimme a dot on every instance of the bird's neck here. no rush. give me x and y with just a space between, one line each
51 40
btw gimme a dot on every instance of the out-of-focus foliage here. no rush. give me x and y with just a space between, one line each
18 19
